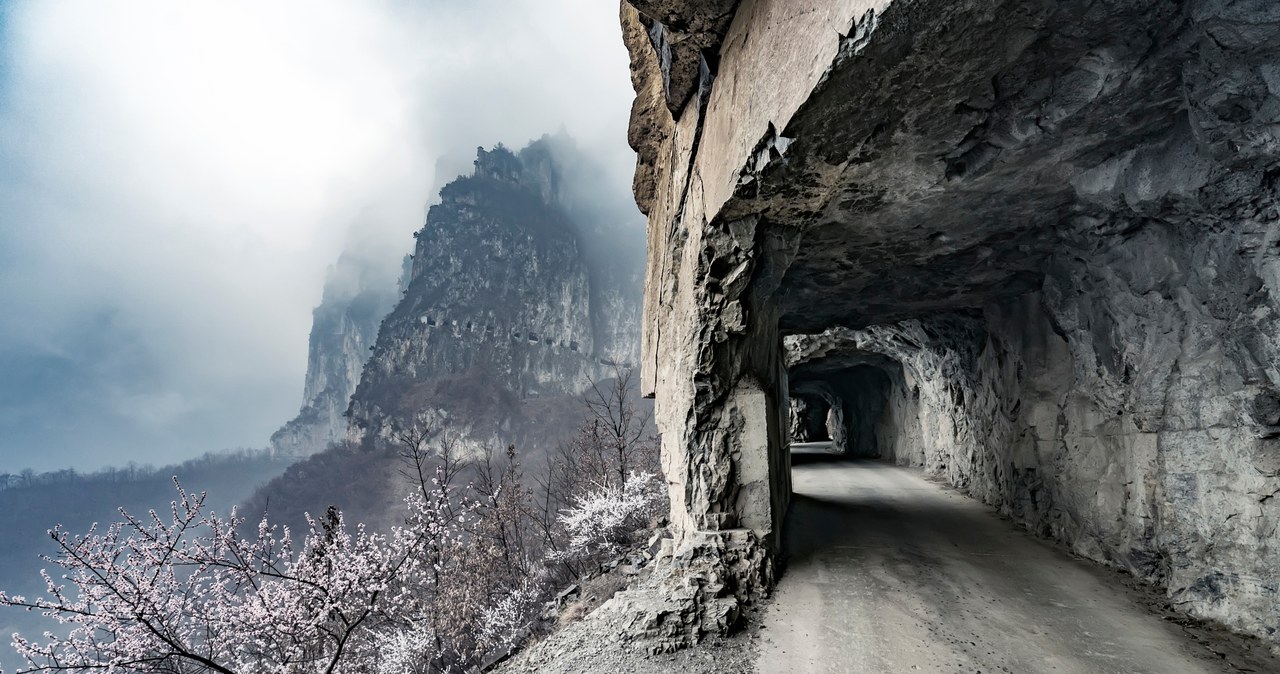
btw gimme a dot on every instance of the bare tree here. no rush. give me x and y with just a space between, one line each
589 475
432 458
616 439
625 429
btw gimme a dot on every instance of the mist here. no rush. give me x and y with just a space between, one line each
176 178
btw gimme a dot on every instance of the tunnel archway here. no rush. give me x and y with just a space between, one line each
852 395
1066 243
809 415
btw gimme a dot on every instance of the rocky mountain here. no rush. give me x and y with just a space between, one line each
357 295
524 286
518 297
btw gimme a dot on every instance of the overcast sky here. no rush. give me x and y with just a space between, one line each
175 177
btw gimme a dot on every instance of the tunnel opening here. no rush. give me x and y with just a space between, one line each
844 408
809 418
1047 279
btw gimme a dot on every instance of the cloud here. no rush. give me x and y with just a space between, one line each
175 177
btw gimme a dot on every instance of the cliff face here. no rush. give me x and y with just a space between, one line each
511 308
344 327
1048 229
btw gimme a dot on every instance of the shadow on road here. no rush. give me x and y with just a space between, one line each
810 458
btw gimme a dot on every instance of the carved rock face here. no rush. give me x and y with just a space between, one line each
1051 226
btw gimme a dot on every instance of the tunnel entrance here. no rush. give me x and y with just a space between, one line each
1066 241
845 405
809 415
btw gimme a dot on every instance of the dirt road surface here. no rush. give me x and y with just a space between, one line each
889 572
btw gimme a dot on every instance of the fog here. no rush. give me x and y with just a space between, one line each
176 177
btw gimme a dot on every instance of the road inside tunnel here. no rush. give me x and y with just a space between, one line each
889 572
843 405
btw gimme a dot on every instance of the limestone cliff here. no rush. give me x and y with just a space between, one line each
511 308
357 295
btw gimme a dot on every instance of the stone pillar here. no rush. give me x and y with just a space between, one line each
809 417
722 407
799 420
865 393
713 361
817 420
712 353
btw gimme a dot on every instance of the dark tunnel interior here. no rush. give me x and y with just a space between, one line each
844 405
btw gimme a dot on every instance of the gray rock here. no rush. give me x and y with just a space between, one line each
357 296
1027 246
517 293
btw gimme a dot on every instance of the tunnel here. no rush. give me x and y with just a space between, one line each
843 406
1026 250
809 416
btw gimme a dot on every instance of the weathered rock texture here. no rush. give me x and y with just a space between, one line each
357 295
1056 221
512 306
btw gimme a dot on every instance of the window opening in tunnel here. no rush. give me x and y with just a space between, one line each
841 409
809 418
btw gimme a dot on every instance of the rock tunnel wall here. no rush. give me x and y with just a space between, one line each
1058 218
1124 409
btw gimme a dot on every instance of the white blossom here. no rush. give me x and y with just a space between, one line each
182 592
598 523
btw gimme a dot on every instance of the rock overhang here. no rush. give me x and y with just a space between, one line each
810 372
1060 218
950 147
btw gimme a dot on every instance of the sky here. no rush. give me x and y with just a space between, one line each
176 177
